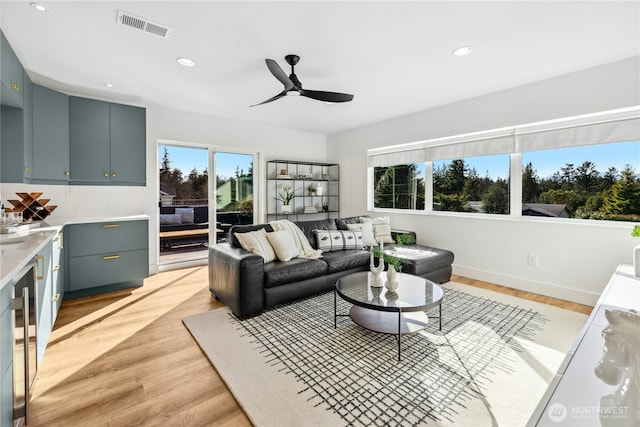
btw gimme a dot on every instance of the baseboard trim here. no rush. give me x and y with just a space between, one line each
522 284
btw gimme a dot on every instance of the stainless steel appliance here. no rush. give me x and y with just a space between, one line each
24 341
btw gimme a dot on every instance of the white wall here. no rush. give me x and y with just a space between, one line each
576 258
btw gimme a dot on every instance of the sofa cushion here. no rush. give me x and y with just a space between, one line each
342 223
423 259
200 214
283 244
346 260
337 240
187 215
257 242
245 229
167 219
298 269
382 230
308 228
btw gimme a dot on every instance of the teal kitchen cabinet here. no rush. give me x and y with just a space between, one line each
6 357
106 256
11 75
107 143
50 136
16 139
57 275
44 294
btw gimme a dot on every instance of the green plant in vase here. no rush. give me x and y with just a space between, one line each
286 196
389 258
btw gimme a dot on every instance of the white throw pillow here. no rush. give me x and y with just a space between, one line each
257 242
382 230
367 234
337 240
354 227
170 219
187 215
283 245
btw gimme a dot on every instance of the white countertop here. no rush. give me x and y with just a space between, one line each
18 249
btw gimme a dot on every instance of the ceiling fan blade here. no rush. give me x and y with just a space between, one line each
278 96
326 96
279 74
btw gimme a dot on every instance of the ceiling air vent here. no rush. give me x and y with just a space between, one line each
139 23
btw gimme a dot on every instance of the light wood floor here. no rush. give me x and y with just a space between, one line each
125 359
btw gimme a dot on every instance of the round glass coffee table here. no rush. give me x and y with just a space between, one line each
396 313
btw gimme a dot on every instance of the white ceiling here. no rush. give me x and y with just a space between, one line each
395 57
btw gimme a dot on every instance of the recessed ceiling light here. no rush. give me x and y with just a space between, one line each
109 85
38 7
462 51
187 62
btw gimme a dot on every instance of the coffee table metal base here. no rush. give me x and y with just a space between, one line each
389 322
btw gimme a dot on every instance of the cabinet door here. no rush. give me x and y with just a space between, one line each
57 275
11 74
44 295
12 145
89 140
27 114
128 144
50 135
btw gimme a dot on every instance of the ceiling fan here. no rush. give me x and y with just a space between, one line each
292 85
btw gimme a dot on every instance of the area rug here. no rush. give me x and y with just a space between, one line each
489 366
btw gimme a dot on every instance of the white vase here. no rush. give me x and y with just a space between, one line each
391 285
636 261
376 281
286 209
392 274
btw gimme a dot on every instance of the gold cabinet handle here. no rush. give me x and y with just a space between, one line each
110 257
27 169
40 258
61 243
56 298
110 225
56 268
113 175
67 173
106 174
15 86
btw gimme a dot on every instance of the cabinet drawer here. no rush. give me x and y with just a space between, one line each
99 270
103 238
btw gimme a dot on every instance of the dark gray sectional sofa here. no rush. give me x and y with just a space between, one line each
248 286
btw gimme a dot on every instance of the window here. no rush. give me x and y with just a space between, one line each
589 182
399 186
585 167
473 184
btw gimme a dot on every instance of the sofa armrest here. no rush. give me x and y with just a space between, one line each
236 277
395 233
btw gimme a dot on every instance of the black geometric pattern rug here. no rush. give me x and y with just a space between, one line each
442 379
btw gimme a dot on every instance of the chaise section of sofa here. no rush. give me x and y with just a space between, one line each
248 285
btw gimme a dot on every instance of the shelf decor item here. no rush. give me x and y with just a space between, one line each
30 207
286 196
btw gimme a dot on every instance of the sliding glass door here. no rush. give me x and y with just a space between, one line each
198 207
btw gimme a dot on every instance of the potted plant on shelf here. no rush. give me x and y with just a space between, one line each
312 189
286 196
